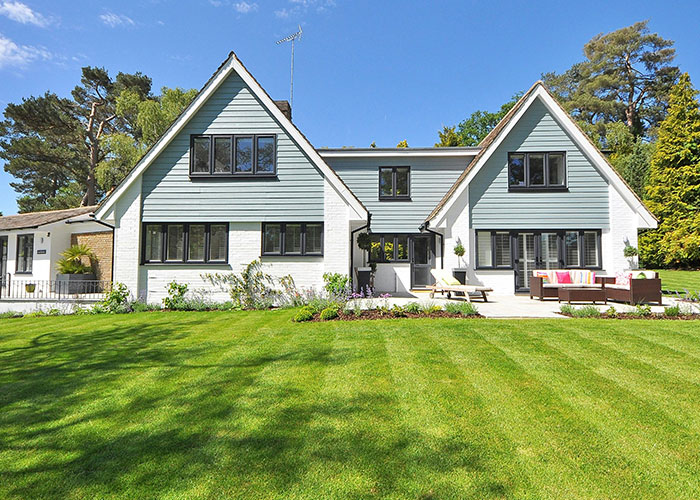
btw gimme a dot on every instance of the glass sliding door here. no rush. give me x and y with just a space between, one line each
549 251
525 261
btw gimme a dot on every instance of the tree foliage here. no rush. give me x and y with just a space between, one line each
626 77
673 192
402 144
472 130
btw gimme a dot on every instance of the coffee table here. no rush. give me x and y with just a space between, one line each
582 294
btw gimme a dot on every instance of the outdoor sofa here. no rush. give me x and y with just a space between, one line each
545 283
635 287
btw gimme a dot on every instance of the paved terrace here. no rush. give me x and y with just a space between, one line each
513 306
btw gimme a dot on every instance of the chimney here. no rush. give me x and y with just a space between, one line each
285 108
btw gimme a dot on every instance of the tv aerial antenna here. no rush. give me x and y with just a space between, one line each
291 38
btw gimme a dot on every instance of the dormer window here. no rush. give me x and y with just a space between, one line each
233 156
536 171
395 183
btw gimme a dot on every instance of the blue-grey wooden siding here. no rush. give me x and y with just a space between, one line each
584 206
430 180
170 196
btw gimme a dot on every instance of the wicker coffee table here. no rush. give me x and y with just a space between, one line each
583 294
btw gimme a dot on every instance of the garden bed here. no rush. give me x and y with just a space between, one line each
652 316
376 314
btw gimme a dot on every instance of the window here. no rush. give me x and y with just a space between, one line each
582 249
185 243
571 248
493 249
233 155
389 247
536 171
298 238
590 249
394 183
25 253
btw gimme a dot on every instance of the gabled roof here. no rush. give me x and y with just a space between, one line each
491 142
36 219
232 65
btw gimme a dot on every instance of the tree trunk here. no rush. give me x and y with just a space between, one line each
90 192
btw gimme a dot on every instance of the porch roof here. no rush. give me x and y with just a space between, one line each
36 219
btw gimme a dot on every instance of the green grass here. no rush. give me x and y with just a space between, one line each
672 280
251 405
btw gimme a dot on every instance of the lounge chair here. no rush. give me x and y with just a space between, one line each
446 283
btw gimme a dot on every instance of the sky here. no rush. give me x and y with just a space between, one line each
365 71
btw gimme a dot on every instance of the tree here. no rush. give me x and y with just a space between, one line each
634 166
402 144
149 119
673 192
448 138
626 76
471 132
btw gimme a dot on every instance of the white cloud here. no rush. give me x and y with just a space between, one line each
113 20
17 11
12 54
282 13
244 7
299 7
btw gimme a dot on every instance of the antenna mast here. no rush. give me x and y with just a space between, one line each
291 38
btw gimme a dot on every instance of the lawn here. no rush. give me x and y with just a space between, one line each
672 280
250 405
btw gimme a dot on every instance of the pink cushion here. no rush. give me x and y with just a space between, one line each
623 278
563 277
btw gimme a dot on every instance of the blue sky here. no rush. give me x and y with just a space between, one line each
365 70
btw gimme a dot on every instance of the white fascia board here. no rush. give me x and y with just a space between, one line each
482 161
399 153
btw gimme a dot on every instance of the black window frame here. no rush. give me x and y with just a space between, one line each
393 237
28 258
561 235
186 247
232 174
282 242
394 196
526 166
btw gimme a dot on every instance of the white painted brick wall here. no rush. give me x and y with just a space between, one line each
623 228
127 235
336 245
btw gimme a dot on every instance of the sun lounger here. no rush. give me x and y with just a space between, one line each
445 283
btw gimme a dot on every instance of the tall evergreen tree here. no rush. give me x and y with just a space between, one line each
673 192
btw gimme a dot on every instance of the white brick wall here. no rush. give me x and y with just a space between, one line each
336 244
623 228
127 217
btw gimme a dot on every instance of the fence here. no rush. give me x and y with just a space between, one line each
25 289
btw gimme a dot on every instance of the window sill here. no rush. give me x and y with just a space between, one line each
292 255
538 189
232 176
394 199
24 273
501 268
192 264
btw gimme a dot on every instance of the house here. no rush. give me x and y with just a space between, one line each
233 180
32 243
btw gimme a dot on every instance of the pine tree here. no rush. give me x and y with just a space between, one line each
673 192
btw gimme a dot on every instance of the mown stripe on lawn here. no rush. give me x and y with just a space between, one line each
635 428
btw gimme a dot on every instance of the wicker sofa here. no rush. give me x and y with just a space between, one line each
544 283
640 289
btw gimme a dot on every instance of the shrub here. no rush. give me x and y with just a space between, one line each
398 312
176 296
463 308
672 311
252 289
459 250
567 309
304 314
329 313
336 284
11 314
72 261
642 310
611 312
429 307
116 301
412 308
586 312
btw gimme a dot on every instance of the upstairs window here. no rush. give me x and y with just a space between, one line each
536 171
292 238
395 183
233 156
25 253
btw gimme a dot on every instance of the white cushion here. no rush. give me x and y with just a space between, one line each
617 287
648 274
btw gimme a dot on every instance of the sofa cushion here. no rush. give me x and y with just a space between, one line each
646 275
563 277
618 287
582 276
544 275
623 278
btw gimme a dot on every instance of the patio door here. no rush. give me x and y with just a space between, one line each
422 260
548 256
525 261
3 260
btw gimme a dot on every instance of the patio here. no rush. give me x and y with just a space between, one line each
515 306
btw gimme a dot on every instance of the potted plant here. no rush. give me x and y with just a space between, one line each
30 287
460 273
75 268
364 273
630 253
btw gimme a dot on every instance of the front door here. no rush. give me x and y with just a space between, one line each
3 260
422 260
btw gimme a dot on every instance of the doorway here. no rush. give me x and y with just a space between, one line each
535 250
3 260
422 260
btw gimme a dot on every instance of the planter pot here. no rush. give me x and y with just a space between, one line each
29 287
460 274
75 283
